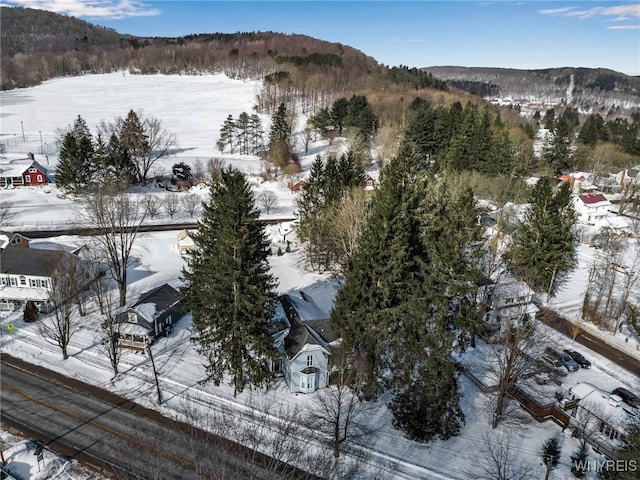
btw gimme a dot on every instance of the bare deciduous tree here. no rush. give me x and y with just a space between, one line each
498 459
336 411
105 294
117 218
63 291
268 200
215 166
151 205
7 213
191 203
171 203
509 362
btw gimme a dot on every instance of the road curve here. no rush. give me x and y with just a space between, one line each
117 436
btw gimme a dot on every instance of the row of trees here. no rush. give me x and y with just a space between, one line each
123 153
244 135
463 138
355 113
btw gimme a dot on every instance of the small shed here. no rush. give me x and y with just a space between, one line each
185 242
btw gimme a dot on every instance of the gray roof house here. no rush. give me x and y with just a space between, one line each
151 317
26 275
306 343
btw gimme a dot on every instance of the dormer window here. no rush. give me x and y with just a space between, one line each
32 170
309 360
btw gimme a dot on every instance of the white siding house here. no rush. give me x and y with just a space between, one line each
26 275
591 208
305 344
507 304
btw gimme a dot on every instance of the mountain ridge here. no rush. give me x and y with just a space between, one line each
590 90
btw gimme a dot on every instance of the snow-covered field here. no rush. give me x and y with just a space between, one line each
194 108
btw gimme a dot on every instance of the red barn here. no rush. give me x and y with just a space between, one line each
21 173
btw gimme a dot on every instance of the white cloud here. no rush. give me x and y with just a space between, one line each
115 9
415 40
623 27
615 13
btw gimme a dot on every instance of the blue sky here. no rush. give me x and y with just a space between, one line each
525 34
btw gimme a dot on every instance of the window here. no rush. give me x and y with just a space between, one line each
13 281
23 280
39 178
15 240
309 360
28 179
308 382
32 170
33 283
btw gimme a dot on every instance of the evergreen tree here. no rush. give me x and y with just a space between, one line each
75 168
280 138
182 171
421 132
243 133
339 111
69 164
256 134
136 141
227 134
550 454
360 116
543 247
592 130
557 154
229 289
321 121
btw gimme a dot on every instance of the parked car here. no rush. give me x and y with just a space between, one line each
564 358
552 364
578 358
627 397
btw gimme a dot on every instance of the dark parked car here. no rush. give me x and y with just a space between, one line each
578 358
564 359
627 397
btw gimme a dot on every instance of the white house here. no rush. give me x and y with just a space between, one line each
26 275
603 413
508 303
305 344
591 208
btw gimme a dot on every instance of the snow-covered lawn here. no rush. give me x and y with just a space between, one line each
194 108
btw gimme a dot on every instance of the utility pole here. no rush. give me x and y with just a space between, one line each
22 128
155 373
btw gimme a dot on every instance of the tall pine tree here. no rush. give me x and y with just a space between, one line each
543 247
229 288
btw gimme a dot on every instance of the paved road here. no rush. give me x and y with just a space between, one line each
117 436
560 324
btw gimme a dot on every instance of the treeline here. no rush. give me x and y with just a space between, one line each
484 89
572 144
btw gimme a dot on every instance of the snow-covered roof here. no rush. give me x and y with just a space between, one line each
23 294
146 310
604 405
4 241
18 168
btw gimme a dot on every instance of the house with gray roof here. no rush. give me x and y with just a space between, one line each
26 274
305 344
151 317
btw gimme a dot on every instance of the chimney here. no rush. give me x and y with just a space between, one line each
30 156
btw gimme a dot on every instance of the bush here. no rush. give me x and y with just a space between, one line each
30 312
